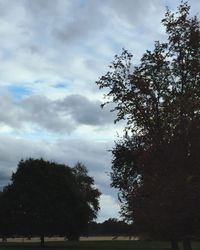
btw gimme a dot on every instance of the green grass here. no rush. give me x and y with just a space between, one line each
94 245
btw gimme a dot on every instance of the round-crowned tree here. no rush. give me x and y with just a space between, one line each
45 198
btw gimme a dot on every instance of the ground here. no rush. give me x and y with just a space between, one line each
91 245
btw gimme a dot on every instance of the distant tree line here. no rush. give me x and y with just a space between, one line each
111 227
46 198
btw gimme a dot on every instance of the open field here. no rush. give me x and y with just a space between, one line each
55 239
93 245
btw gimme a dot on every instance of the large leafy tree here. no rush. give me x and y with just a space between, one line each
156 163
45 198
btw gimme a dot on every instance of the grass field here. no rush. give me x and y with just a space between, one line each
92 245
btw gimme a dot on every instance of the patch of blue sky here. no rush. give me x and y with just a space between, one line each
35 134
65 84
82 3
41 134
60 85
19 92
38 135
172 5
7 53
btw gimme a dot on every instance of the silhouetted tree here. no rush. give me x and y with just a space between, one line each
1 216
45 198
156 164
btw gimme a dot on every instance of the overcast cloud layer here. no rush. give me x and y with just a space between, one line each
51 54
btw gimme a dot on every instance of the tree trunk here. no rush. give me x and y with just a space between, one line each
4 239
187 244
73 237
174 245
42 240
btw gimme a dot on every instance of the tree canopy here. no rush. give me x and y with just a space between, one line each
156 164
46 198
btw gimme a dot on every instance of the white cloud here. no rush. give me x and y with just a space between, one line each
109 208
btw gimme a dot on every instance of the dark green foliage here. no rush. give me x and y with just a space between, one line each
156 165
88 192
46 198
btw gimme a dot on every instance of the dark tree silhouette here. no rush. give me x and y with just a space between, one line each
156 164
45 198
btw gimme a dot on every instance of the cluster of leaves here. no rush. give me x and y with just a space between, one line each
156 164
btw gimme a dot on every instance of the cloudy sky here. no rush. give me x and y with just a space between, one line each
51 54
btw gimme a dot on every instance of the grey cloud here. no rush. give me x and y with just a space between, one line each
64 115
40 5
3 176
93 154
12 150
85 111
61 20
8 111
46 11
41 111
136 12
81 21
96 16
34 49
59 116
4 179
85 18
